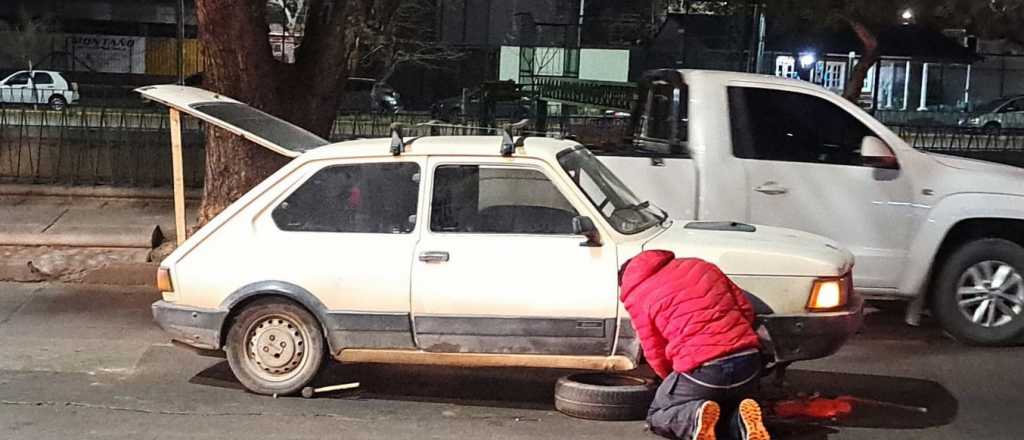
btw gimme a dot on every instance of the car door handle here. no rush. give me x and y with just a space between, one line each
771 188
433 257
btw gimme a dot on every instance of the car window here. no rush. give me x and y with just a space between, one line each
367 198
503 200
41 78
793 127
18 80
1013 106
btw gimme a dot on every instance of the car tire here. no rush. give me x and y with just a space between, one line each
970 280
991 127
57 102
602 396
275 346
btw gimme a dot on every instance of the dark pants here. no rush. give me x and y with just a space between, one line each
727 382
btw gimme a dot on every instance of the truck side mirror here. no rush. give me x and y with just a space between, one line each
583 225
877 154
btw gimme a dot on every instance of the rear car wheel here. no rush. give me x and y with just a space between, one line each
57 102
979 293
275 346
602 396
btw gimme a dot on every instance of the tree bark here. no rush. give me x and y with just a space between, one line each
240 64
868 58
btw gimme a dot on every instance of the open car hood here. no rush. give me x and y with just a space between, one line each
269 131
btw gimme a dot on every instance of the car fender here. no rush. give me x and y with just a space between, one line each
277 288
942 217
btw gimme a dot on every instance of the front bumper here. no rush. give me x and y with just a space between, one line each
812 335
199 328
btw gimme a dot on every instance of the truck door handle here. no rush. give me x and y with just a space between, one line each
433 257
771 188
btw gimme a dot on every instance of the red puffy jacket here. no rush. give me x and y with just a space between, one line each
685 311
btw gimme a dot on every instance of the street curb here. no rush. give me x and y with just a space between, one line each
112 192
119 274
147 237
20 273
123 274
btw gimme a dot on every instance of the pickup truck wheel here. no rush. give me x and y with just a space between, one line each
979 293
275 347
602 396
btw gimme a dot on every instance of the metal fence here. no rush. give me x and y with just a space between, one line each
1001 145
130 146
94 146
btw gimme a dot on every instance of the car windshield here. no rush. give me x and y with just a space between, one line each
626 213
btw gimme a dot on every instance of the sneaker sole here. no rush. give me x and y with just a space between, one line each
750 413
706 421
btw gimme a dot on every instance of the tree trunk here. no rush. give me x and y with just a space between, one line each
240 64
868 58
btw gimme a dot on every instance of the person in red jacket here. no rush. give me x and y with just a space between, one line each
696 328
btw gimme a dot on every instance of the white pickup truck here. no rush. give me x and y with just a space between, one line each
940 230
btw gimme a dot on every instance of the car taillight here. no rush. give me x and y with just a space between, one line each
163 280
829 293
74 86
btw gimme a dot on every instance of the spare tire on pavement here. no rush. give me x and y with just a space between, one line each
604 396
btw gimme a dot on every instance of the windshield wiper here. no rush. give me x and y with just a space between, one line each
664 216
638 206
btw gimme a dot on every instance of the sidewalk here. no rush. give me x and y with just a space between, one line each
84 234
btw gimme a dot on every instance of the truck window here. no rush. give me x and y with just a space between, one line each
482 199
366 198
793 127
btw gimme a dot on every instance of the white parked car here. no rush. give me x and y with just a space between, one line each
780 152
1006 112
473 251
38 87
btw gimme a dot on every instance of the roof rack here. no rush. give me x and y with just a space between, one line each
508 145
397 141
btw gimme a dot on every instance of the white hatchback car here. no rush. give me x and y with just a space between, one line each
38 87
473 251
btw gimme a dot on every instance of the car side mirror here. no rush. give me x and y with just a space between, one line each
877 154
583 225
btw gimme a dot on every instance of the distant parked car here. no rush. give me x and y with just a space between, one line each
369 95
1006 112
453 108
38 87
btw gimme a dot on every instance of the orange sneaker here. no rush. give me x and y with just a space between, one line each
707 418
751 423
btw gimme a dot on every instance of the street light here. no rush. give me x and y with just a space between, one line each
807 59
907 15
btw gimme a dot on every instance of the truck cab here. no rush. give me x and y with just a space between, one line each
937 230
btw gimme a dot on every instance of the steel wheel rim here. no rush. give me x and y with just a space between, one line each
990 293
276 348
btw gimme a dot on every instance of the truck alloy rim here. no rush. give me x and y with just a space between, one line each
991 293
276 346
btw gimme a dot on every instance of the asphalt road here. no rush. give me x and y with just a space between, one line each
87 362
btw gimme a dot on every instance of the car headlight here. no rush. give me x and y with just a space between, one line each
829 293
973 120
